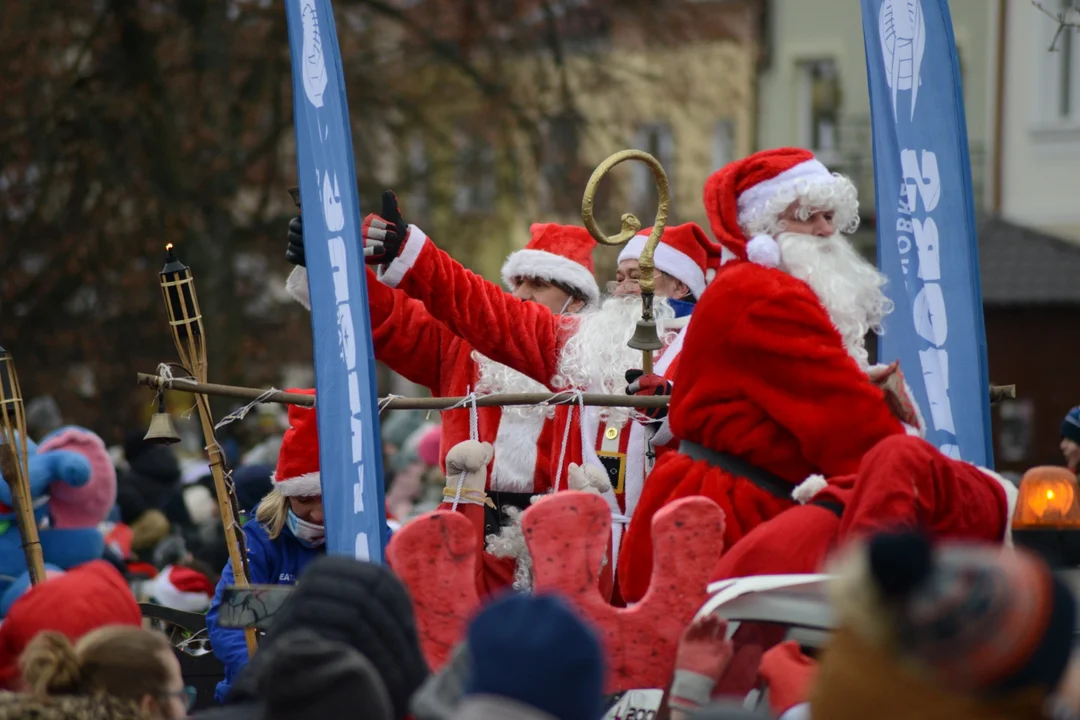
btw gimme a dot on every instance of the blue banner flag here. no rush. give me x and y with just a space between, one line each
350 453
926 233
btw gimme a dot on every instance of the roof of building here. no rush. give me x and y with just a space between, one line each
1021 266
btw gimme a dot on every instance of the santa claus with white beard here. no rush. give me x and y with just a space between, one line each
774 393
587 352
555 269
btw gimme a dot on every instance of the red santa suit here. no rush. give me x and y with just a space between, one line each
414 344
532 340
772 387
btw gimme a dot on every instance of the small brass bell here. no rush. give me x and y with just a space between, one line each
645 337
162 431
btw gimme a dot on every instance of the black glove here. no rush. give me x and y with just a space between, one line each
384 234
295 252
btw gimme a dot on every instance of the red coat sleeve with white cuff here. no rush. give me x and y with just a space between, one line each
525 336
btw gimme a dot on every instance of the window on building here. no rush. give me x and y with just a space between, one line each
475 181
723 150
817 93
1059 68
658 140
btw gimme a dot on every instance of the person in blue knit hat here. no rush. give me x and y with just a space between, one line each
532 658
1070 438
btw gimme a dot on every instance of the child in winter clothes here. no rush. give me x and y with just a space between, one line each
287 535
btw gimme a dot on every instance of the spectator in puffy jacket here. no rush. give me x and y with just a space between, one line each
346 604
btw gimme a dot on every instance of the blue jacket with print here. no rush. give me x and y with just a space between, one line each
270 562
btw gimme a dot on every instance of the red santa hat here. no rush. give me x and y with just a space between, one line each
748 196
181 588
556 253
297 473
85 598
685 253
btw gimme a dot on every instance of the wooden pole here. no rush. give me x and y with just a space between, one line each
23 506
14 464
401 403
186 325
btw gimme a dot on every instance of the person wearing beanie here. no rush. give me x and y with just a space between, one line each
359 605
555 270
287 534
305 675
1070 438
777 401
531 657
587 354
959 631
73 603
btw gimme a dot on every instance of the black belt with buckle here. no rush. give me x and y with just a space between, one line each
760 477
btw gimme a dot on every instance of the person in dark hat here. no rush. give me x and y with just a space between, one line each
961 631
1070 438
531 657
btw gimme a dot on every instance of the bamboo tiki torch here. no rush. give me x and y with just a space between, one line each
645 336
186 324
14 465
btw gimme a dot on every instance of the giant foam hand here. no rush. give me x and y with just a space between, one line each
567 534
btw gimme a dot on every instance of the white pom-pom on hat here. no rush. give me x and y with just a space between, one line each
805 491
763 250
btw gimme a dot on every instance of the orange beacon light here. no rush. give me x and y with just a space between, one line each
1047 515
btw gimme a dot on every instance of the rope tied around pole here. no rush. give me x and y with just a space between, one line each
474 434
579 397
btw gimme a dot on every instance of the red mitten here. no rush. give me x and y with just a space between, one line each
789 674
703 656
652 384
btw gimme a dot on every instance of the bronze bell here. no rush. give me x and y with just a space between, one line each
162 431
645 337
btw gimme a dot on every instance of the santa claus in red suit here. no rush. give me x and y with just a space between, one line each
774 392
555 269
586 352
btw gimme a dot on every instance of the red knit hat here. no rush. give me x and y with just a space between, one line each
83 599
685 253
297 473
746 191
559 253
181 588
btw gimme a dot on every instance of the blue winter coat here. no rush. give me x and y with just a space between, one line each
270 562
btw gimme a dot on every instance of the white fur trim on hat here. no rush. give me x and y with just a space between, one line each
297 286
763 250
669 261
1012 496
753 200
300 486
805 491
548 266
163 592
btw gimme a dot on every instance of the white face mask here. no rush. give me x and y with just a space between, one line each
307 533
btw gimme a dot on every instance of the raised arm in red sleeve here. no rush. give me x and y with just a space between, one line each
525 336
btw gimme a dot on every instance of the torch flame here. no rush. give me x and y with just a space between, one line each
168 247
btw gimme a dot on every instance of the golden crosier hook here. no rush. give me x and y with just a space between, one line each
630 224
645 336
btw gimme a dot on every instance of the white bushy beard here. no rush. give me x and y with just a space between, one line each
595 359
848 286
493 377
